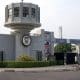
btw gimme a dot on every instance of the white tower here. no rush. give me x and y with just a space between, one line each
22 18
60 32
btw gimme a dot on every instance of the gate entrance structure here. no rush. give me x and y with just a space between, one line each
22 18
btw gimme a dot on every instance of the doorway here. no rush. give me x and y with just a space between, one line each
39 55
1 56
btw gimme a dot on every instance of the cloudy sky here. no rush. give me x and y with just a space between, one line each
54 13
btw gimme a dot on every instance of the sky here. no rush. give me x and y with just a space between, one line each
54 13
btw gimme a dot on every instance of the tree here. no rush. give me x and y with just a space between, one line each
63 48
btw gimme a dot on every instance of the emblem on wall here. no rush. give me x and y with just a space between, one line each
26 40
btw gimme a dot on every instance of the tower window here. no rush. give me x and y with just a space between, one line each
16 12
9 12
39 15
25 11
33 12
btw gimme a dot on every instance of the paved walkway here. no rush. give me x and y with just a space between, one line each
43 69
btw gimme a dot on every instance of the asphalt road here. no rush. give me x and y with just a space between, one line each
69 75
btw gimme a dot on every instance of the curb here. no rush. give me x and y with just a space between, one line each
46 69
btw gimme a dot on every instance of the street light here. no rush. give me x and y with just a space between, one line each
65 55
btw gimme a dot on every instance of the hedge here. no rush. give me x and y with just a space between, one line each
60 62
27 64
3 64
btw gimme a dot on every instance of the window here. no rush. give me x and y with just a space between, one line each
33 12
25 11
16 12
39 15
9 12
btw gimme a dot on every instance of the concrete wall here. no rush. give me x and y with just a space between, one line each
39 41
20 49
7 45
12 45
37 44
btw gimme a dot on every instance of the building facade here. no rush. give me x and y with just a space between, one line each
40 47
22 18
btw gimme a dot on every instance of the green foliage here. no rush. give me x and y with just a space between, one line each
3 64
24 58
63 48
28 64
60 62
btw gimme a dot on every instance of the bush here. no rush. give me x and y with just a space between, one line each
51 63
29 64
3 64
59 62
24 58
26 64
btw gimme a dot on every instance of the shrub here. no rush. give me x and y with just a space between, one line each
51 63
28 64
59 62
24 58
3 64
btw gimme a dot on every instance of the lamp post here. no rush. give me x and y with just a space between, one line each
65 55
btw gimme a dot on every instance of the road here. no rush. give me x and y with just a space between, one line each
69 75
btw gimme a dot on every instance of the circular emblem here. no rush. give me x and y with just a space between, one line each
26 40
